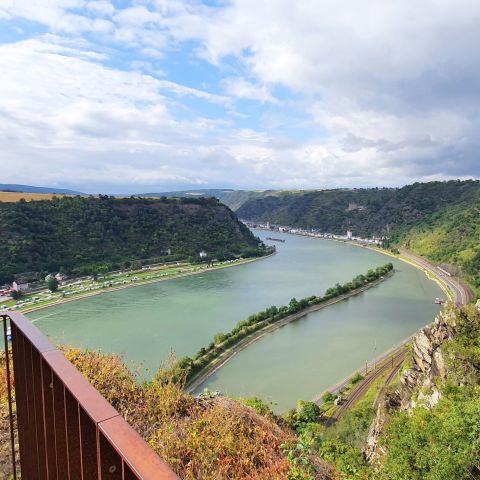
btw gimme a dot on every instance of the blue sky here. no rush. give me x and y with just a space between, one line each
157 95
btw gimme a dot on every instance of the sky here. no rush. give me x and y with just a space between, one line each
120 96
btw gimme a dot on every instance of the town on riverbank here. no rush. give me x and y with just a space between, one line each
313 232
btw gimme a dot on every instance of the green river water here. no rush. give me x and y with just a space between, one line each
299 360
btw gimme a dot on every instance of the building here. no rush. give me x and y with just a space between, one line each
349 235
203 254
60 277
19 286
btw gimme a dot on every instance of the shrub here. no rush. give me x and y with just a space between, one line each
328 397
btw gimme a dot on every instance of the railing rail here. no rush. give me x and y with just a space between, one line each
66 429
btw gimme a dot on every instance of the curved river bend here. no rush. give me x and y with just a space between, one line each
297 361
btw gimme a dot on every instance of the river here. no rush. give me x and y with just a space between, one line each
300 360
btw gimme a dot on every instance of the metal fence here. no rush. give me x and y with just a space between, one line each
65 429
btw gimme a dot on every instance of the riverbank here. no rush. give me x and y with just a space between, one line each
455 292
408 257
200 378
142 283
366 369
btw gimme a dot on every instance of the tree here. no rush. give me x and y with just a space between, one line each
293 306
309 411
52 283
328 397
219 338
16 294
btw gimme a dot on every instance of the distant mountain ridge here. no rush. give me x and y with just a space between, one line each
365 211
232 198
13 187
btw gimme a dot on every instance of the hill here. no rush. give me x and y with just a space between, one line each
451 236
439 220
364 211
84 235
12 187
234 199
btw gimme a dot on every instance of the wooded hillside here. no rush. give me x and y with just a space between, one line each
364 211
440 220
84 235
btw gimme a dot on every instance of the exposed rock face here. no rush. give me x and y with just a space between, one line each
372 450
428 363
428 366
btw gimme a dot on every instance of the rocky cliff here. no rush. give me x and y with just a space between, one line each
418 385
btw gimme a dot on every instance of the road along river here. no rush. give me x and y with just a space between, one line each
296 361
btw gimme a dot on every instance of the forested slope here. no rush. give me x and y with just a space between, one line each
365 211
440 220
81 235
451 235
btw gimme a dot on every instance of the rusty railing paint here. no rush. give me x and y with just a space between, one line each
66 430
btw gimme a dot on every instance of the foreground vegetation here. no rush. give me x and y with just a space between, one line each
189 368
95 235
200 438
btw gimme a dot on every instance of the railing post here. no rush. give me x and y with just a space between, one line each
10 399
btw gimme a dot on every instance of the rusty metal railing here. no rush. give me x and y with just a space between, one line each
66 430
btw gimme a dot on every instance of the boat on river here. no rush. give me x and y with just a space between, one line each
275 239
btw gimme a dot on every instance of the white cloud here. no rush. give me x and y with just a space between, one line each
241 88
182 90
53 13
100 7
72 115
389 92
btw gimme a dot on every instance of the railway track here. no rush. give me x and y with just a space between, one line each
360 390
462 292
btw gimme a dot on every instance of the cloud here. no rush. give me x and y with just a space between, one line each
242 89
73 118
382 93
182 90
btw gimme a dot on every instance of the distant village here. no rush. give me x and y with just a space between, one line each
373 241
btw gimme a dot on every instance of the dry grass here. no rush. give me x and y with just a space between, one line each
5 451
16 196
201 439
214 439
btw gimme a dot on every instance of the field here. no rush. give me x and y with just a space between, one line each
16 196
